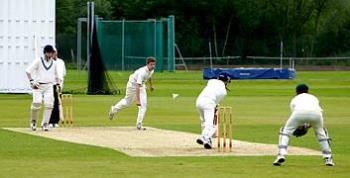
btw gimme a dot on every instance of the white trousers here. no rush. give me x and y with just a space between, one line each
297 118
43 94
129 98
206 114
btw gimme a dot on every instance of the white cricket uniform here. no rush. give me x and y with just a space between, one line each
46 74
305 108
211 95
61 69
140 76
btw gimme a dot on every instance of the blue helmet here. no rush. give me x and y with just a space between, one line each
224 76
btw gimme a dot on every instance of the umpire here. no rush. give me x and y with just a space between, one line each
55 115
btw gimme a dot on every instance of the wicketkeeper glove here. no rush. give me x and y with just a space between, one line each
301 130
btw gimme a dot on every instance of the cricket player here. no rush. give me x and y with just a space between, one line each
57 89
136 91
305 109
46 74
208 99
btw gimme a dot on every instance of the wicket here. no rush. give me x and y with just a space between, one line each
67 102
224 115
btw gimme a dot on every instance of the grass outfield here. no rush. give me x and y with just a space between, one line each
261 107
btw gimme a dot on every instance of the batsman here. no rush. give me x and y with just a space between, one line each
306 113
208 99
42 74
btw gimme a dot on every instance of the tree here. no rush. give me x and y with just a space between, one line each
234 27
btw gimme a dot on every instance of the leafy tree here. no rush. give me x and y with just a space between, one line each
233 27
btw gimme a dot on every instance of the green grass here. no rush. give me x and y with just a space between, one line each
260 109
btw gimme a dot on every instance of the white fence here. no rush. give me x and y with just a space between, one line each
26 26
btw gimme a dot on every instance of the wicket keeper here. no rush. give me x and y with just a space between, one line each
305 109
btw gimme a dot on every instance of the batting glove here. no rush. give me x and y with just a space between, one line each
34 84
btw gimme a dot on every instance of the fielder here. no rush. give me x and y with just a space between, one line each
136 90
206 102
305 111
46 74
57 89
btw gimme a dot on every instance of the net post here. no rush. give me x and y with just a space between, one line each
159 45
123 44
171 43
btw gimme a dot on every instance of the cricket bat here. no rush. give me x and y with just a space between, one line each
60 107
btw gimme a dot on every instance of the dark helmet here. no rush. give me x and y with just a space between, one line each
302 88
48 49
224 76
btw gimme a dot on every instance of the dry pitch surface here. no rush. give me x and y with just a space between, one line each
155 142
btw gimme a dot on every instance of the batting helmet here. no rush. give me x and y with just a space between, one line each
224 76
302 88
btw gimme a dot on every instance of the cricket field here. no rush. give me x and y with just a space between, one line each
260 108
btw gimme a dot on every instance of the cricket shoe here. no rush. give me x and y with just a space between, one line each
328 161
279 160
208 144
45 127
200 140
54 125
139 126
111 114
33 125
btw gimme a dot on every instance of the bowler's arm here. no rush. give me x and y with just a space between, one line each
150 81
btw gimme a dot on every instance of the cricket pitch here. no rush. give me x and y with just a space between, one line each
155 142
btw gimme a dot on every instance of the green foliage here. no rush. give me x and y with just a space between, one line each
242 27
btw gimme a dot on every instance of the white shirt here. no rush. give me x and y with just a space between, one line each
214 92
44 71
140 76
305 102
61 68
